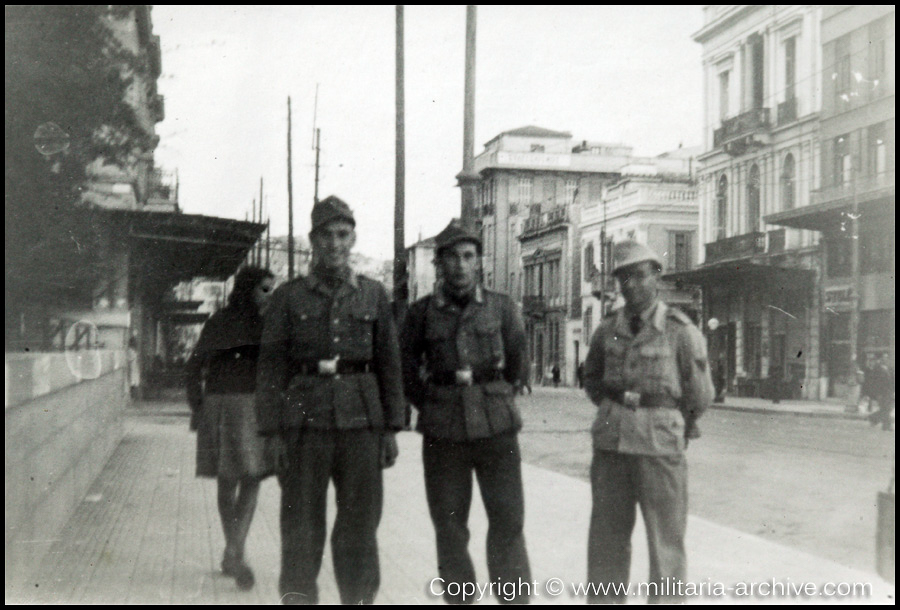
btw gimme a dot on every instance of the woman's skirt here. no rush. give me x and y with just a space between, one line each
228 444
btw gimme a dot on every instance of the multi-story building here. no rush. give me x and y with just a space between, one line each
534 182
654 203
762 69
420 268
853 205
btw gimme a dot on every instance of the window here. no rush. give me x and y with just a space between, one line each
680 247
876 247
753 199
790 67
757 79
843 163
876 151
721 207
588 322
571 191
876 57
550 191
837 255
589 261
723 94
841 75
787 183
525 190
595 190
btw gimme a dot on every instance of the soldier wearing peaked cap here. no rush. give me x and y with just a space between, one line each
647 372
471 344
329 392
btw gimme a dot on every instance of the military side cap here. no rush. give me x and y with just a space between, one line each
454 233
629 253
329 209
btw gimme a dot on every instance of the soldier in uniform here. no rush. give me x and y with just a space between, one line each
463 358
647 372
330 394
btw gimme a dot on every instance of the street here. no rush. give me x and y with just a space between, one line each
809 483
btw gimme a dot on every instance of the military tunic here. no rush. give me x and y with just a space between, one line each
332 419
469 426
650 388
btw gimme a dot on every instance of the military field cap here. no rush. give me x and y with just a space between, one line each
329 209
628 253
454 233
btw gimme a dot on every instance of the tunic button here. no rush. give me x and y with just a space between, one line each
337 339
337 321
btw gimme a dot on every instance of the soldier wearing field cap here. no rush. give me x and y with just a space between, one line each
463 357
330 394
647 372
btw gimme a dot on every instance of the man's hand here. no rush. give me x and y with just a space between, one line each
389 449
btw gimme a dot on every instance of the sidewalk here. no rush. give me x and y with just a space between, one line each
148 532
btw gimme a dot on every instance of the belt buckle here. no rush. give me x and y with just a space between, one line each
464 377
328 367
632 400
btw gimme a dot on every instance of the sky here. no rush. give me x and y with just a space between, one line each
618 74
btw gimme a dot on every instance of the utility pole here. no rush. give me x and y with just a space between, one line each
268 240
259 242
315 144
290 184
468 179
316 194
400 287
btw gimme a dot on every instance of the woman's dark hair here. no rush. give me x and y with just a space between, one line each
246 280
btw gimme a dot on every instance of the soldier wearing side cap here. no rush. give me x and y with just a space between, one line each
330 394
471 344
647 372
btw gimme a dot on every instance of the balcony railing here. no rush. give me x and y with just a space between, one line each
739 246
534 304
787 111
747 124
539 222
867 187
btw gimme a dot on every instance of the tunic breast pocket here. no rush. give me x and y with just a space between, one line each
361 334
614 362
489 342
657 368
308 325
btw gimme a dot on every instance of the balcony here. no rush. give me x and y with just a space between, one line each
739 246
744 132
866 187
787 111
538 223
534 304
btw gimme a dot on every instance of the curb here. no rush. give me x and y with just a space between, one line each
821 414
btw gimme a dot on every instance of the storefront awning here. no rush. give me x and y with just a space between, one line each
171 247
742 272
829 215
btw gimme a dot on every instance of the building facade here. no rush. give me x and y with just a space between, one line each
852 207
654 203
762 99
533 184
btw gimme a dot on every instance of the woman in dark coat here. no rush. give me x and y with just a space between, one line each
221 381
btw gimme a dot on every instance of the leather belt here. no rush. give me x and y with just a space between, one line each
327 368
451 377
641 399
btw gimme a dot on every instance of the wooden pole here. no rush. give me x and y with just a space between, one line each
400 287
468 179
290 200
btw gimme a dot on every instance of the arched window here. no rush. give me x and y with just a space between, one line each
721 207
753 193
787 183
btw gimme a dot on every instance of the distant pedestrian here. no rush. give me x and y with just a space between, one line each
647 372
228 443
134 371
555 372
579 373
882 388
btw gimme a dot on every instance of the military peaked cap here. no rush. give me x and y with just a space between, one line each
454 233
628 253
329 209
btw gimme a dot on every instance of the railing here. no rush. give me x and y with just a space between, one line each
546 220
865 187
534 303
739 246
750 122
787 111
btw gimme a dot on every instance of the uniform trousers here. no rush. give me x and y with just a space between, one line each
659 485
351 459
497 464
